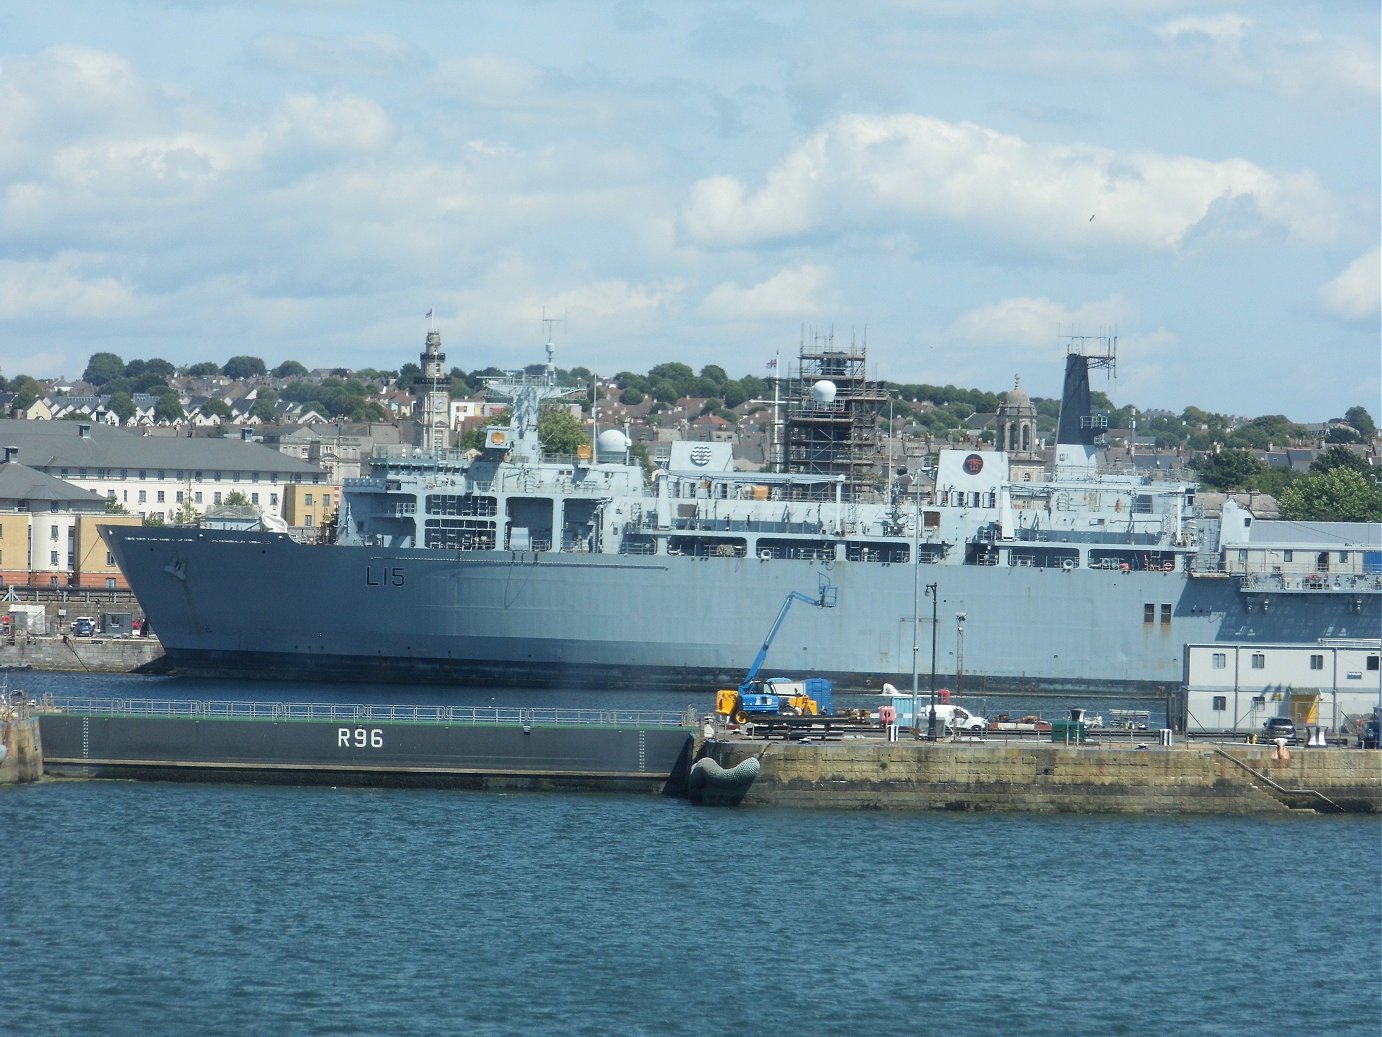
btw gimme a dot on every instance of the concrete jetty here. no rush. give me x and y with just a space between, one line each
1190 778
21 749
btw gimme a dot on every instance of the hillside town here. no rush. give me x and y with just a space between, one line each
238 445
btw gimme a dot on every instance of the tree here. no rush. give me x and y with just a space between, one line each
236 497
1361 420
1338 495
1229 469
122 406
264 408
161 368
204 370
559 432
290 369
168 410
1339 457
114 507
217 408
630 397
241 367
102 367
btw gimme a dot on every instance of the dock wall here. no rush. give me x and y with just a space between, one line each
1045 777
82 654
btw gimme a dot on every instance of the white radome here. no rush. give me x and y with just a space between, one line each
823 391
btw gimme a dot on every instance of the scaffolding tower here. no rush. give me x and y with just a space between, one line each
831 417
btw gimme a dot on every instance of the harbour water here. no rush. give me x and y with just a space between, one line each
152 909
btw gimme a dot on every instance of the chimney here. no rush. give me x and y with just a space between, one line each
84 430
11 454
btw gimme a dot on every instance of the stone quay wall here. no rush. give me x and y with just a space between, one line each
870 774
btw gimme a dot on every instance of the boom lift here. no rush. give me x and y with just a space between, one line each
778 695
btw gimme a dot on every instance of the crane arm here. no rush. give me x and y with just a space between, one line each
826 599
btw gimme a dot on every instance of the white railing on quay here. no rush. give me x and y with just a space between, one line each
339 712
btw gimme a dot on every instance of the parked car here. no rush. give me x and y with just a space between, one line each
84 626
1279 727
1372 734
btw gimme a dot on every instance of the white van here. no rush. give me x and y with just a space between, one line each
949 717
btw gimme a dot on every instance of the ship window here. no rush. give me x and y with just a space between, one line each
1288 556
1149 613
1220 703
1165 615
1317 662
1372 662
1220 661
1259 661
1343 556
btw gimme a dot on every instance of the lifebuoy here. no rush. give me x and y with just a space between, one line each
741 717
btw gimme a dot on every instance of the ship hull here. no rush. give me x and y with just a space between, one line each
260 605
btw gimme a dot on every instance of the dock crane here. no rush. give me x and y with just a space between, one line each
753 696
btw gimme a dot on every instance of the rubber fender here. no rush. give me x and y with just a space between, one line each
709 780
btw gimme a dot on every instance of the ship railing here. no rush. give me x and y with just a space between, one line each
354 712
1313 582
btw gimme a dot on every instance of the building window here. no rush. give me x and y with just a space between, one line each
110 583
143 496
110 560
216 497
307 501
53 535
1317 662
1220 661
179 496
307 521
53 560
254 499
161 496
1259 661
197 496
1166 615
1149 613
273 500
1220 703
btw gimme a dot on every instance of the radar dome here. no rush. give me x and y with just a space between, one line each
823 391
612 441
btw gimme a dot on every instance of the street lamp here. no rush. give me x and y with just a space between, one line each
931 719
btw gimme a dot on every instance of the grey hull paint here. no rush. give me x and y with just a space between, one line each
261 605
311 752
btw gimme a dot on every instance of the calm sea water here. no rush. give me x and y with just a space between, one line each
152 909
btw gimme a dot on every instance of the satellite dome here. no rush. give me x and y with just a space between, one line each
823 391
612 441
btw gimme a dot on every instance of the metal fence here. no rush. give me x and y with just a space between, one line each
458 716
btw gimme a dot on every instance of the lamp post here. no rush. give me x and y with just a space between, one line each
931 719
916 606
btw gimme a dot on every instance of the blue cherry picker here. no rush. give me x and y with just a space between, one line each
778 696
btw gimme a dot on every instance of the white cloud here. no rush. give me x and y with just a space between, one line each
923 175
60 287
1353 295
1225 30
800 292
342 124
1027 323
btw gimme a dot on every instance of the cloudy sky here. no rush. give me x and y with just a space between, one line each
959 184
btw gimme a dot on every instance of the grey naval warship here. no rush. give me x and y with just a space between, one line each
510 567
